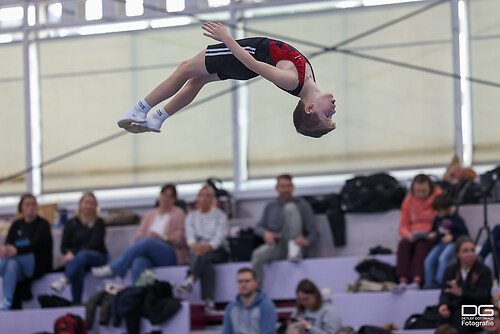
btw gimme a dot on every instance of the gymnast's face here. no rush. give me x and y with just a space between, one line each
324 107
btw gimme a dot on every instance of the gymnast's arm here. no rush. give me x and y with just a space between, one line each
282 78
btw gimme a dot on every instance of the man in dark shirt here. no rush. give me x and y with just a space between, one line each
287 226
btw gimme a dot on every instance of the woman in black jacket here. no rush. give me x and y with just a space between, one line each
27 252
83 246
466 282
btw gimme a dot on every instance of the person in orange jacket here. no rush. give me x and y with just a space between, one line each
417 216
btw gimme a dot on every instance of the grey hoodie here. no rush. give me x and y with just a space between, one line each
325 320
258 318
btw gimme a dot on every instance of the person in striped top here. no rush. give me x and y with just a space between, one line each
276 61
206 232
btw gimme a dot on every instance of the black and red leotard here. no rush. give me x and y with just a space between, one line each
219 59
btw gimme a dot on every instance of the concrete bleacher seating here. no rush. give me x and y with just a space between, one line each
42 320
35 321
377 309
281 278
330 274
179 323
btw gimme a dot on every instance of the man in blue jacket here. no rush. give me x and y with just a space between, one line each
252 312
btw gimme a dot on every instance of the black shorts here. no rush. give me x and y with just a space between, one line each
219 59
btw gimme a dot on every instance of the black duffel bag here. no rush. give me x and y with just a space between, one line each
374 193
428 320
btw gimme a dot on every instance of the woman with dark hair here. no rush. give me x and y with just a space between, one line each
417 216
466 282
312 312
27 252
175 230
82 246
159 237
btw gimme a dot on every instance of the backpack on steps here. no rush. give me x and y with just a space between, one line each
70 324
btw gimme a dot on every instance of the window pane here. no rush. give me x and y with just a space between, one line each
88 83
13 151
485 57
387 116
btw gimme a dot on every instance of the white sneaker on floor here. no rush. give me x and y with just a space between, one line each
294 252
185 287
150 125
209 306
102 272
59 285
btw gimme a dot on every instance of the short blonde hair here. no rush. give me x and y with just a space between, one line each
309 124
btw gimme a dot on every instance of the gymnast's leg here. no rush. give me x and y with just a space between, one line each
186 70
187 94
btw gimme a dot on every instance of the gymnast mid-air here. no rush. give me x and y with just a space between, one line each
241 59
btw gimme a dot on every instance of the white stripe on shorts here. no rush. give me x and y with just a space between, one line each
248 48
225 53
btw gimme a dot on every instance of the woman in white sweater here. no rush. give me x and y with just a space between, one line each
316 316
206 232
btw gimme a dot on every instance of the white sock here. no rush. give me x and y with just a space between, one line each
160 115
142 107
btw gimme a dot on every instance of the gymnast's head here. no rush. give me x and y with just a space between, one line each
313 116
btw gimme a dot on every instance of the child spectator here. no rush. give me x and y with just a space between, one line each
417 216
447 227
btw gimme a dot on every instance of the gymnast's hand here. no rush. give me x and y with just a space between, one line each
216 31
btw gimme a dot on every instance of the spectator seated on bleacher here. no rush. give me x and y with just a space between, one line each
252 312
447 227
159 240
27 253
417 216
82 246
466 282
287 227
206 232
312 312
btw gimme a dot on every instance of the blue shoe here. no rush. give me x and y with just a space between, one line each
5 304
